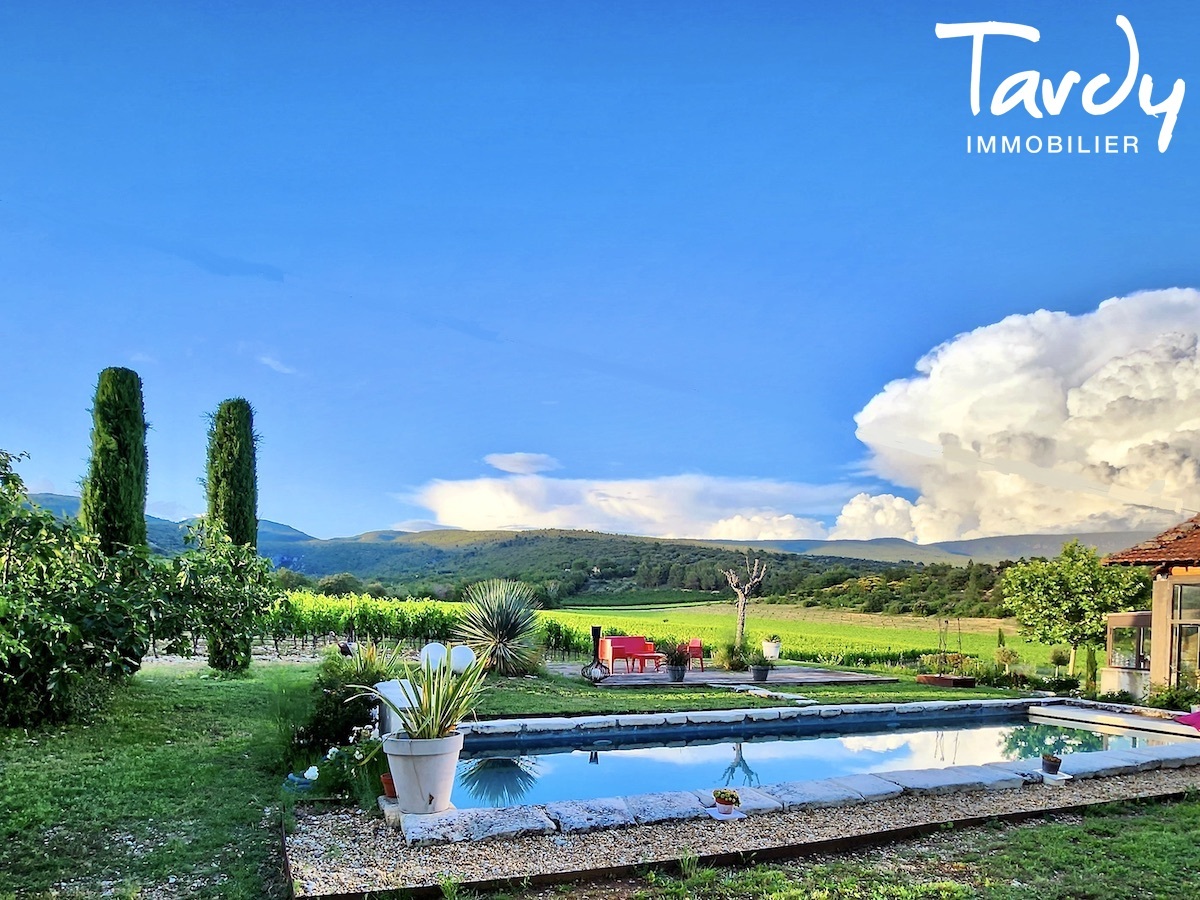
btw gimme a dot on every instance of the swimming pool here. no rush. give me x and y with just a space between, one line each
532 774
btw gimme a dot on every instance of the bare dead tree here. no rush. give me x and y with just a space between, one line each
745 590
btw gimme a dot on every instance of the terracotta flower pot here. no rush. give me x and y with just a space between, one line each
389 786
725 809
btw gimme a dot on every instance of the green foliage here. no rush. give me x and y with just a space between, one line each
1183 698
757 659
1067 599
343 583
676 654
338 707
69 613
227 588
438 700
499 623
730 656
232 479
113 502
315 616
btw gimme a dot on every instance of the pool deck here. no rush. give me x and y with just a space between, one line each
781 676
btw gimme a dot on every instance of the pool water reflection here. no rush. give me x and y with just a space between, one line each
497 778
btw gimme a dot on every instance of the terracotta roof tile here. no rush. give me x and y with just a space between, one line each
1179 545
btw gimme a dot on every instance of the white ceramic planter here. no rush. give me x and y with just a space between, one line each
771 649
423 771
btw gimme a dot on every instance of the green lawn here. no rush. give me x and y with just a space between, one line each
813 630
178 779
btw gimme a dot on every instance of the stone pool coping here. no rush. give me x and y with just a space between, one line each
806 718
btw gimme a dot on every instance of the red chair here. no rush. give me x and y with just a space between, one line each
696 651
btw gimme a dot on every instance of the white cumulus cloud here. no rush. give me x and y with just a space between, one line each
522 463
1045 422
696 506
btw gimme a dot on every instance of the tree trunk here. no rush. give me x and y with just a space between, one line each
1071 664
740 638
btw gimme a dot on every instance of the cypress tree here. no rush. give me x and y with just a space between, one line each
232 479
113 502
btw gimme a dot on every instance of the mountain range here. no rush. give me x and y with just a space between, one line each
451 554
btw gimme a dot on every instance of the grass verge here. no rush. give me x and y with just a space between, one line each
176 783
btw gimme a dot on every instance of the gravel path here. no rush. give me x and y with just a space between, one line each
350 850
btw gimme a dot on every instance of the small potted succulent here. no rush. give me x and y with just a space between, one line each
727 800
760 666
1050 763
677 658
771 645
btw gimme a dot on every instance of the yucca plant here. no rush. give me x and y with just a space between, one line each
500 624
438 699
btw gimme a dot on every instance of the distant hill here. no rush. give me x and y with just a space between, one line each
167 537
989 549
452 555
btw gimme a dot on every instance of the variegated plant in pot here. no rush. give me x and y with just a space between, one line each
423 755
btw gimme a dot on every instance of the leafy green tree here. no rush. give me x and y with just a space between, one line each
72 617
1066 600
340 584
232 478
227 587
113 501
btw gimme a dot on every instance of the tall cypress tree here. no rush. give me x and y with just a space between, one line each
232 480
113 504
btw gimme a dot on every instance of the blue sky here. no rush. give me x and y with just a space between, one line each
674 248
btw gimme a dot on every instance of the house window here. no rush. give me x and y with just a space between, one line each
1130 648
1187 662
1187 602
1186 635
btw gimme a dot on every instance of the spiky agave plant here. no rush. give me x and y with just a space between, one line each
438 699
500 625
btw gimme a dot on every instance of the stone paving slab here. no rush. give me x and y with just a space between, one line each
869 787
664 806
1171 756
1102 764
475 825
754 802
1029 769
954 779
811 794
533 726
578 816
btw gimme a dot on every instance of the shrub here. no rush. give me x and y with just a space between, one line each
500 624
1174 698
70 616
228 589
728 656
338 706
